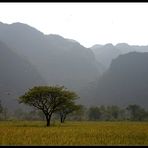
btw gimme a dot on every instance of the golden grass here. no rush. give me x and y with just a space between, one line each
73 133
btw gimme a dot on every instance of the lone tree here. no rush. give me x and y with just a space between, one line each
48 99
94 113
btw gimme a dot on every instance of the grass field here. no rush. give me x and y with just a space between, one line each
73 133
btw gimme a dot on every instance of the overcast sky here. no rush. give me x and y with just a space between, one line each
88 23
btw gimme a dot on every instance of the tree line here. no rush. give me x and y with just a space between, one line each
59 103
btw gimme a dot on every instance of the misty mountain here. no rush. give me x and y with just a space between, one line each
125 48
104 54
96 46
125 82
36 58
16 76
57 59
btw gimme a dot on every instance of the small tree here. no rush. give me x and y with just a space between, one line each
48 99
113 112
79 114
94 113
67 109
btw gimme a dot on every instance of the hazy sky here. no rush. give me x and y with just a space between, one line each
88 23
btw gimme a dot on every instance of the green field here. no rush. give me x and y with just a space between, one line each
73 133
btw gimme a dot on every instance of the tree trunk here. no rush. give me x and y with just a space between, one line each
61 119
64 117
48 122
48 117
